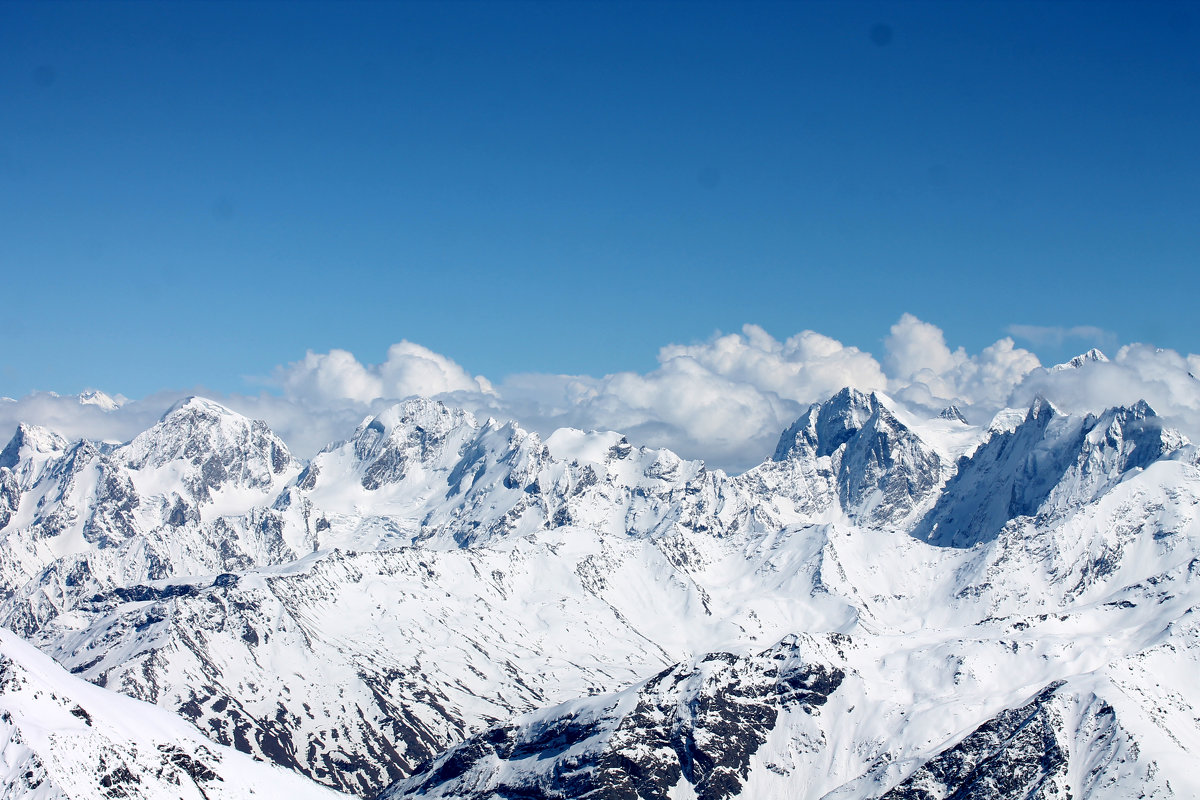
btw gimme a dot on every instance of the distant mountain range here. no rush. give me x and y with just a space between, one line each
888 606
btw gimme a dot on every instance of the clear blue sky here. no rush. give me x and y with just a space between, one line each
194 192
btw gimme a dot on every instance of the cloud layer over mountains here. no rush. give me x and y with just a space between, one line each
724 400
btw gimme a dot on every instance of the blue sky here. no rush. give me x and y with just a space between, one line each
191 193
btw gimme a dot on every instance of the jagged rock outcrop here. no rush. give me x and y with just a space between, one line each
861 457
1050 461
697 724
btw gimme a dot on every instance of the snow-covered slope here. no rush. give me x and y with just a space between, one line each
61 737
1089 697
795 720
472 610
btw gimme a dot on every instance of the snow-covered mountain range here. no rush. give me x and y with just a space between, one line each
887 606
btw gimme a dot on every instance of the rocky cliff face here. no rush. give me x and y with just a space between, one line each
860 453
1049 463
697 725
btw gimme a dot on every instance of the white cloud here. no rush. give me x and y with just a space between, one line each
926 373
410 369
917 352
988 379
805 366
75 420
725 400
1138 372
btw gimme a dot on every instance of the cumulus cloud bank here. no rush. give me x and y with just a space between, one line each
321 379
925 373
725 400
1163 378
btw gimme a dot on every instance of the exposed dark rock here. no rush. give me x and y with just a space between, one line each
1014 473
1015 754
880 469
699 722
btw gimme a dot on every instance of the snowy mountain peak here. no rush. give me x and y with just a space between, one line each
1134 433
953 414
878 468
194 419
197 419
197 402
28 454
32 441
95 397
1141 409
402 420
827 426
1093 356
219 445
1041 409
416 431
